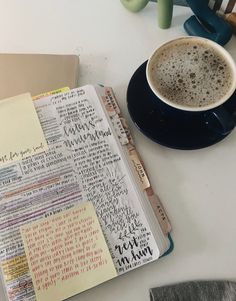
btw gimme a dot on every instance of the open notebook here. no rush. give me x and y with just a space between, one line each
91 158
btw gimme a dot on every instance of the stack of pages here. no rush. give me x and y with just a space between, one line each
76 207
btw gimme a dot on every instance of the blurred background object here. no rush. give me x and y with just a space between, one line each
206 23
223 8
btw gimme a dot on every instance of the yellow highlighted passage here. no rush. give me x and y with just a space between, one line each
14 268
61 90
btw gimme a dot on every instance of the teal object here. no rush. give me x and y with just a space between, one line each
205 23
164 13
164 9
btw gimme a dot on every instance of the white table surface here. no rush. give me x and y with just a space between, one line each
197 187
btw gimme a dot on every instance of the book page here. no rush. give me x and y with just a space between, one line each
84 162
61 90
20 131
67 253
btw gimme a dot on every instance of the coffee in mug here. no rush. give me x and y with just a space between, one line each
192 73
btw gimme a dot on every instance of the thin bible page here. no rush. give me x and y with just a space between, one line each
83 163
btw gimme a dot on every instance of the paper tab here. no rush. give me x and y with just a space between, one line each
108 106
113 111
120 131
160 213
67 253
127 132
143 178
112 100
20 131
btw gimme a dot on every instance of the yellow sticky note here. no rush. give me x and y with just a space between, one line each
67 253
21 134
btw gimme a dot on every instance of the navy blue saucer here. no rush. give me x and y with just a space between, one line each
186 131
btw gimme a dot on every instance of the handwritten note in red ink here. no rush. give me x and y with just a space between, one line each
67 253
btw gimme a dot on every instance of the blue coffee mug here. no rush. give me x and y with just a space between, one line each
214 114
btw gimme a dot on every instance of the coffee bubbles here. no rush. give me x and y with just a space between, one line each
191 73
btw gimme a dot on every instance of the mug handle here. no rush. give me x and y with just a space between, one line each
219 120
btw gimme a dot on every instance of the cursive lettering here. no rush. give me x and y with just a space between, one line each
131 251
127 246
75 128
91 137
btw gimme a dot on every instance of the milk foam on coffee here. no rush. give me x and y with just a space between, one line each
191 73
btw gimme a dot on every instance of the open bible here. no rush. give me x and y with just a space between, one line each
91 158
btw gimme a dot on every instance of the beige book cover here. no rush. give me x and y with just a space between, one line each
36 73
